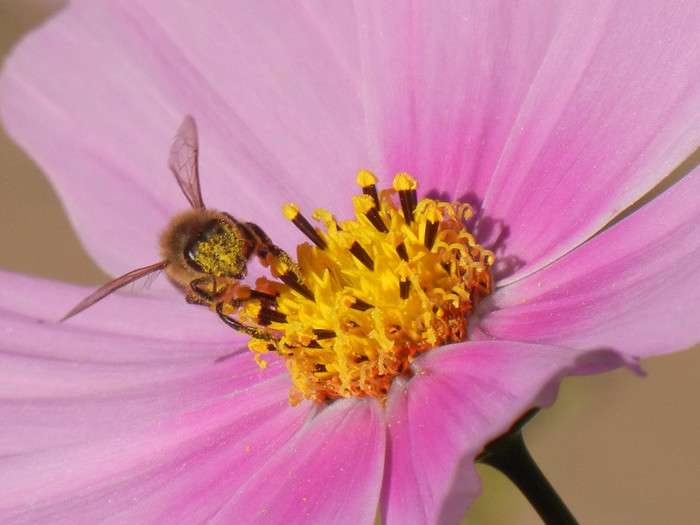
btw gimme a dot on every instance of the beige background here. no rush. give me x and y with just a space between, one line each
619 449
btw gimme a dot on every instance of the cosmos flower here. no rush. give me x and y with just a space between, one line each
549 118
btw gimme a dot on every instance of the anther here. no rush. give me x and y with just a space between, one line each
376 220
361 255
263 296
291 212
360 305
365 205
368 182
321 334
267 316
401 250
291 280
431 229
406 186
404 288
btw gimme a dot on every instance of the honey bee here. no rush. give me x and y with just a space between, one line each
206 252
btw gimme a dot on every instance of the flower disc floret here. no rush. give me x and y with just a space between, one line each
374 292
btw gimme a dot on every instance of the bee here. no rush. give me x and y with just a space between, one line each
206 252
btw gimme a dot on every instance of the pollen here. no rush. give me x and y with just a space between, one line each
217 250
371 294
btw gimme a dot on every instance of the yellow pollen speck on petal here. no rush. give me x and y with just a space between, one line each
368 295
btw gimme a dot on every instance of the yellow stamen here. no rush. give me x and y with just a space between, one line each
365 179
372 293
404 182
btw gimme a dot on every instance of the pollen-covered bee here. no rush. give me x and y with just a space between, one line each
206 252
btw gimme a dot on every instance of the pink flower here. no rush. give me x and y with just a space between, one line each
550 118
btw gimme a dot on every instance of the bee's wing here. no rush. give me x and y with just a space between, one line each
113 285
184 163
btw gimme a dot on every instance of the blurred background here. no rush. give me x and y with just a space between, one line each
619 449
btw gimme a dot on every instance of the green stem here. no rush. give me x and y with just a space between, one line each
509 455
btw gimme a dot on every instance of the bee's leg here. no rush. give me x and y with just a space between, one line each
191 298
288 269
203 291
256 333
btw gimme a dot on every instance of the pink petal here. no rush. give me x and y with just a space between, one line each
132 409
181 465
635 288
97 94
622 116
446 82
461 397
330 472
558 116
509 68
127 426
172 328
45 363
123 426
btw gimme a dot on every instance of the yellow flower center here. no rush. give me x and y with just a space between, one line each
374 292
